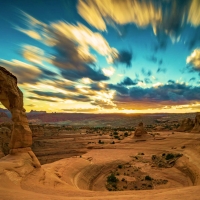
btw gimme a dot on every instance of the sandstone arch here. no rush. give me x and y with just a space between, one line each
12 98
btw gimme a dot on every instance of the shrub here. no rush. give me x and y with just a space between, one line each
169 156
112 178
148 178
153 157
126 134
115 133
101 142
120 166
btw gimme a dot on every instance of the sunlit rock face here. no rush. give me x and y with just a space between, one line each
196 128
12 98
140 131
186 125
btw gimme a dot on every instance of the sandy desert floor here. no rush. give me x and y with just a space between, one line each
85 177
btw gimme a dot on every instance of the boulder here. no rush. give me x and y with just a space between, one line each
186 125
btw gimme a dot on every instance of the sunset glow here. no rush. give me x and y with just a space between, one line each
104 56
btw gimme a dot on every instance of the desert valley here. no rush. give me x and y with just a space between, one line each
159 160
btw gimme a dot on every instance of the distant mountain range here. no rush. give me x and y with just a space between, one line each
97 120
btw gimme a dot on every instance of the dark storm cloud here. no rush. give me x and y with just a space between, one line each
48 72
41 99
171 92
59 95
95 86
119 88
82 98
73 66
124 57
87 72
127 81
50 94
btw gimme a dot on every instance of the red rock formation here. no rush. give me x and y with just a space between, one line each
12 98
196 128
140 131
186 125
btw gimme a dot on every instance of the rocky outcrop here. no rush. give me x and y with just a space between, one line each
196 128
12 98
140 131
186 125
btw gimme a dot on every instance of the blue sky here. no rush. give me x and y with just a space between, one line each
103 56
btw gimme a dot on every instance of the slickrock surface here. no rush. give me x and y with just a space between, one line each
84 177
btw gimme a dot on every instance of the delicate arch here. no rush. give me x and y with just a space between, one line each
12 98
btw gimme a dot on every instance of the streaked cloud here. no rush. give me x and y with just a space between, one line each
99 12
165 17
24 72
33 54
194 14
